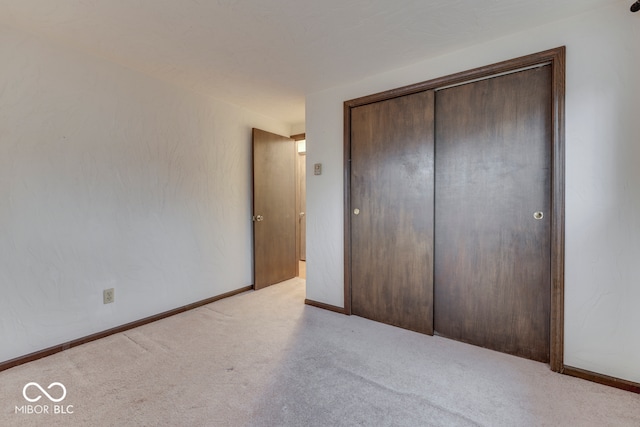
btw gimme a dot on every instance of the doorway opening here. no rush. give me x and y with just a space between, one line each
301 203
279 223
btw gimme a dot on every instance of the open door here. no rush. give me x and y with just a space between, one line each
274 208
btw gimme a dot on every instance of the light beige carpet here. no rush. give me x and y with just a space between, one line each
265 359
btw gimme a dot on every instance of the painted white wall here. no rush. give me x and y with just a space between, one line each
109 178
602 281
296 129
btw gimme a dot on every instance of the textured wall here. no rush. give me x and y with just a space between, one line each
109 178
602 178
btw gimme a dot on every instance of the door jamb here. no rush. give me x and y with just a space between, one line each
556 59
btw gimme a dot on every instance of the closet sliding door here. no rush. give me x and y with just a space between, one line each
391 216
454 196
493 213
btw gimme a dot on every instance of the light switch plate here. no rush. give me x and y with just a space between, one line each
317 169
108 296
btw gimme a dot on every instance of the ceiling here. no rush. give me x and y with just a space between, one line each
265 55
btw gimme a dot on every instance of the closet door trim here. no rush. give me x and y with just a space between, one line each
555 58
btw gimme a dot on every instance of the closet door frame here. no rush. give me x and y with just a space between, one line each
556 59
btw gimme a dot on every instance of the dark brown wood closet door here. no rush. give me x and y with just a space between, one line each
492 235
392 211
274 208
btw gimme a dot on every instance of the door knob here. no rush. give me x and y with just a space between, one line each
356 211
258 218
538 215
301 214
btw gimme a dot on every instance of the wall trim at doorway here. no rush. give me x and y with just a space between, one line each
324 306
122 328
556 59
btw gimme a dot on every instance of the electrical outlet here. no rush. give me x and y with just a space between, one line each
108 296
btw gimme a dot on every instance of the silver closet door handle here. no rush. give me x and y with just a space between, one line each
538 215
259 218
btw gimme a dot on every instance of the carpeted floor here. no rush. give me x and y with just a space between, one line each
265 359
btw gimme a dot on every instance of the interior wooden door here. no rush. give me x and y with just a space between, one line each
274 208
492 213
392 211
